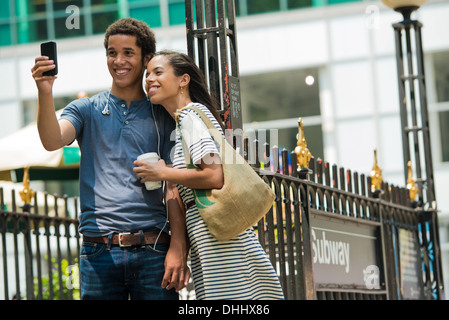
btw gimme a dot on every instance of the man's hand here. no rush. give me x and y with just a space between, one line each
44 83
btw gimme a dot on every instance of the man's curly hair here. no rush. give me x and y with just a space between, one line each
145 38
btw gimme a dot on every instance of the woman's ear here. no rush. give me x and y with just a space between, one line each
185 79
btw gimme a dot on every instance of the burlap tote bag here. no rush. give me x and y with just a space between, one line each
244 198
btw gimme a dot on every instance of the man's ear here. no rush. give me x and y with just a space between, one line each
147 59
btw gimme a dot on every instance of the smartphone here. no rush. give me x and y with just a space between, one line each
48 49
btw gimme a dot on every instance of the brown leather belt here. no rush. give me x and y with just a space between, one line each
126 239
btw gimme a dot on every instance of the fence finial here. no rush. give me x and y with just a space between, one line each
376 175
303 154
411 185
27 194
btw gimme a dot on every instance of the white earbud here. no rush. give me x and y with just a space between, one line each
106 111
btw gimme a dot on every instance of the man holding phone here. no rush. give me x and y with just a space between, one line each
127 251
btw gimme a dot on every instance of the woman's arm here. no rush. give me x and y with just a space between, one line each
177 273
208 174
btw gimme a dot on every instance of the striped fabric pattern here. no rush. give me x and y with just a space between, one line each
236 269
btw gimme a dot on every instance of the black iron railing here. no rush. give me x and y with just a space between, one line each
40 248
402 239
328 235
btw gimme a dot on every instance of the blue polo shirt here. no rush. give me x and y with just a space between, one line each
111 196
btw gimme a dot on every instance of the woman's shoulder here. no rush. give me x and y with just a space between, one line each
192 112
188 109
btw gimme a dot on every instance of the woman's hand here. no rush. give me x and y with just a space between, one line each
206 176
147 171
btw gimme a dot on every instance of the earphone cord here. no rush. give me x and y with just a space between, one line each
164 184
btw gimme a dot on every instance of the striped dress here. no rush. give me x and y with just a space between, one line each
235 269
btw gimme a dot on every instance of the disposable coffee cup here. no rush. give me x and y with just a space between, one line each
151 157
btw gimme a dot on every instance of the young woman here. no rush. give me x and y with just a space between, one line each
235 269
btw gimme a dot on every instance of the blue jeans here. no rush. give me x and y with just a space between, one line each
123 273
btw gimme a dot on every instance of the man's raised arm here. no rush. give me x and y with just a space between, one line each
54 134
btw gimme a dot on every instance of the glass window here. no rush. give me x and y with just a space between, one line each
444 132
5 35
143 2
441 68
292 4
31 31
4 9
102 2
177 12
257 6
341 1
284 95
441 71
280 95
34 6
61 5
101 21
150 15
237 7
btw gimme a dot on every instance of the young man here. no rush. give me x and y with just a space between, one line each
127 251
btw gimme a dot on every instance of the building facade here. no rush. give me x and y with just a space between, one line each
330 62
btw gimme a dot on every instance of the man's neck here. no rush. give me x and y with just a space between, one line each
128 94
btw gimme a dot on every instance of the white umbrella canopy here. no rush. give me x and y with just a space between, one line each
24 148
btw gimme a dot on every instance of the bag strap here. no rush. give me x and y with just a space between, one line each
209 124
216 135
228 154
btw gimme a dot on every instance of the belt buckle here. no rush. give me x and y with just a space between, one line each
120 239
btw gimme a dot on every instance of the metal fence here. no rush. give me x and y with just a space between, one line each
40 246
328 235
396 254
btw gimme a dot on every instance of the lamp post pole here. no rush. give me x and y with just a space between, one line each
416 137
213 41
413 100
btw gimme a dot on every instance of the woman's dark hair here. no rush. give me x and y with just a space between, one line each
145 38
198 90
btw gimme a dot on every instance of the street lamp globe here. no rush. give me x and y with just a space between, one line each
406 7
397 4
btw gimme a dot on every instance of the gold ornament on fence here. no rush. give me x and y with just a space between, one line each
303 154
411 185
376 175
26 194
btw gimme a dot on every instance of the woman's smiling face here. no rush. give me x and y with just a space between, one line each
161 83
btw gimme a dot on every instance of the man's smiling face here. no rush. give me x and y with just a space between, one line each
124 59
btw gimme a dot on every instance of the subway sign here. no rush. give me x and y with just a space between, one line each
345 252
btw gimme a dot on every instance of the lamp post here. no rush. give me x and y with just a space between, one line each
413 100
416 137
